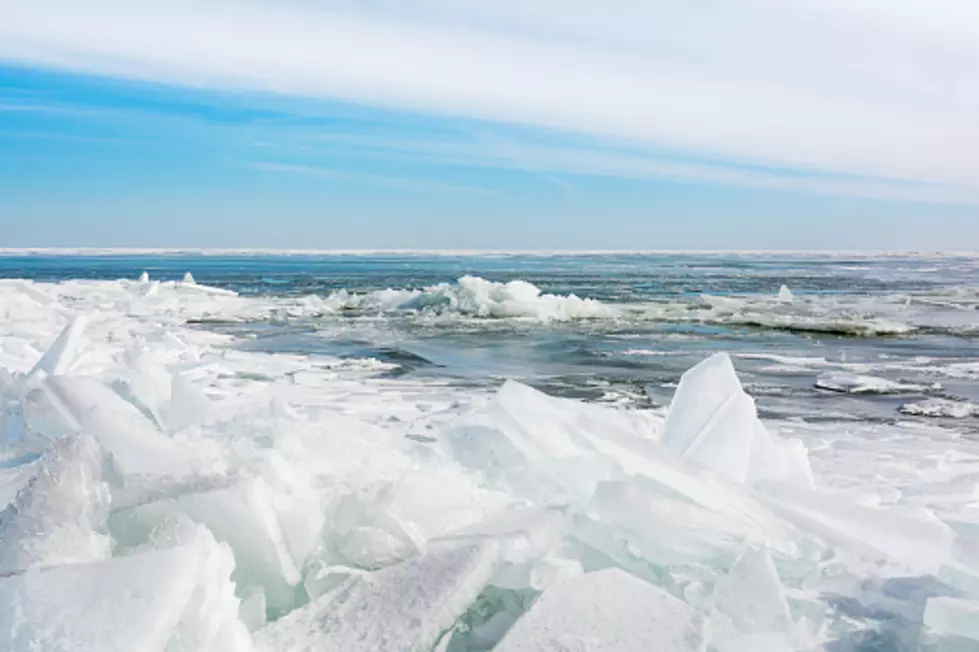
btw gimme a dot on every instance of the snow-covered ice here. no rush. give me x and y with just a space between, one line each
165 488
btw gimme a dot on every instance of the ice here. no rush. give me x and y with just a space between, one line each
915 538
59 515
538 443
189 279
751 595
713 422
476 297
174 600
87 405
941 407
144 277
607 611
848 383
785 294
953 618
241 515
62 352
404 607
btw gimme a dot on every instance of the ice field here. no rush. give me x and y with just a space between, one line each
549 464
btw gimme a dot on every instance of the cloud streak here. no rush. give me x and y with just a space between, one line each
870 89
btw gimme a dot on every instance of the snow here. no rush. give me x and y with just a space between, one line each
607 611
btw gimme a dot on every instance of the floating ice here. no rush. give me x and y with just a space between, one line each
59 515
476 297
941 407
785 294
859 384
404 607
607 611
175 600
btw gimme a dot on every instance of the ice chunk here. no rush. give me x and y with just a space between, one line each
713 422
241 515
59 356
664 526
188 405
542 445
320 579
253 609
919 539
751 595
607 611
175 600
189 279
941 407
144 277
87 405
952 617
404 607
785 294
59 516
847 383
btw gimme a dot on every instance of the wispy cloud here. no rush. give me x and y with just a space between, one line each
873 89
408 184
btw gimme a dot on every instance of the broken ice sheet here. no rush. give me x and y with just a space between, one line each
174 600
402 608
607 611
59 515
244 517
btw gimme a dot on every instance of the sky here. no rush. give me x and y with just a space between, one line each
490 124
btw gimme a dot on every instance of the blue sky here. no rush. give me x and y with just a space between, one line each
428 124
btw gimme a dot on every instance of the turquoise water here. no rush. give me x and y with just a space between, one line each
909 320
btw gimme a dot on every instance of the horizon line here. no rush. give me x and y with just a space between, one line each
259 251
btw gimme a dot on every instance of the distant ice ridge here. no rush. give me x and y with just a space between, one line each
476 297
164 492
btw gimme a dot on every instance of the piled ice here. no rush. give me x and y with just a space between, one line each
165 492
477 297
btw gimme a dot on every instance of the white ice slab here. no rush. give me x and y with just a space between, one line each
175 600
243 516
607 611
89 406
404 607
59 515
917 539
751 595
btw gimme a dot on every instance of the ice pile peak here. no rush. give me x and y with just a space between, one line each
188 279
712 421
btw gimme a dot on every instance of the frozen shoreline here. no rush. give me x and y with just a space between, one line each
286 487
